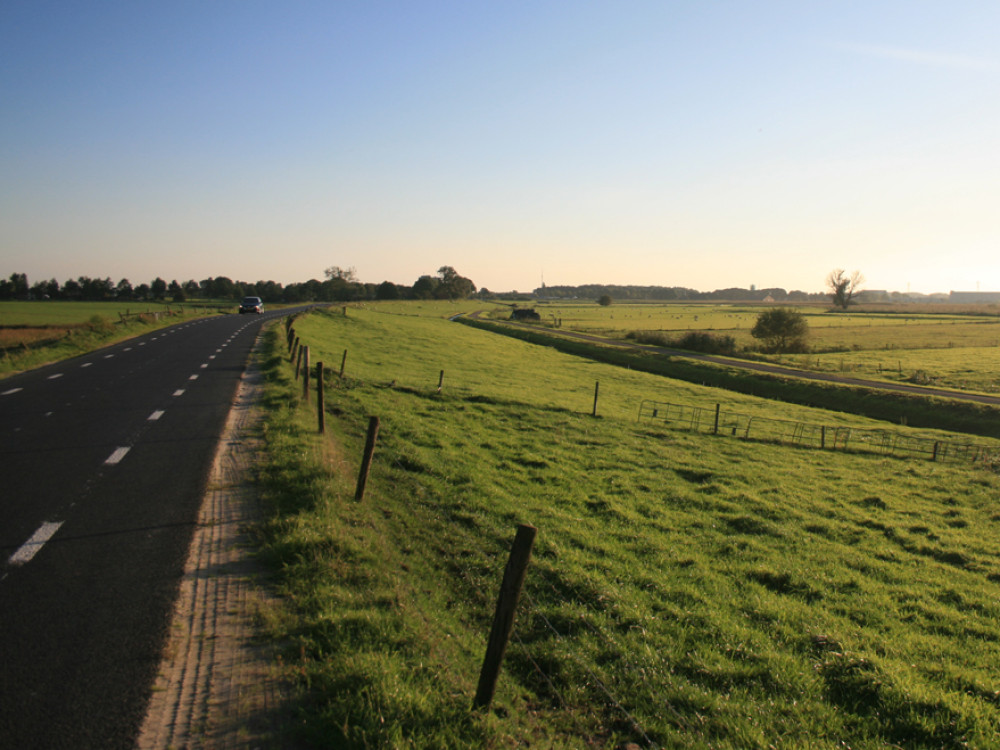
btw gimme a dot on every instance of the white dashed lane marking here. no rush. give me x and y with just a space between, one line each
11 392
193 377
155 415
31 547
179 392
53 377
117 456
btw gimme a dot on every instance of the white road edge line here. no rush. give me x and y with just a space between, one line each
31 547
117 456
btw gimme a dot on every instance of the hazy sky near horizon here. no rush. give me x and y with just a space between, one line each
699 144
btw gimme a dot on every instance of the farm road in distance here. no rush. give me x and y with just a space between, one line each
105 463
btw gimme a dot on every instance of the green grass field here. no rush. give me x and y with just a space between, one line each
38 332
958 349
686 591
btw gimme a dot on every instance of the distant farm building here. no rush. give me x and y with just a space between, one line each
525 314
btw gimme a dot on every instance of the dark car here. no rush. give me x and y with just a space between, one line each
251 305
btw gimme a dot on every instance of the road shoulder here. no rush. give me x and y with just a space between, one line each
217 685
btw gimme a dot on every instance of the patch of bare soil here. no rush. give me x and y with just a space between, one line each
218 686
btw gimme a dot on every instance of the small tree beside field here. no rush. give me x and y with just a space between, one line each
781 330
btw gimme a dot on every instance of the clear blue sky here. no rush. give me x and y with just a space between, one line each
700 144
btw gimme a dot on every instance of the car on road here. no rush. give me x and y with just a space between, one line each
251 305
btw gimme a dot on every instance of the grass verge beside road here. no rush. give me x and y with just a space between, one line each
685 590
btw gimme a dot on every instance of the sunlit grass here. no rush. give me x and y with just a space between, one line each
685 590
829 330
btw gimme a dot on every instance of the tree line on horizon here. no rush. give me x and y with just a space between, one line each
339 285
675 293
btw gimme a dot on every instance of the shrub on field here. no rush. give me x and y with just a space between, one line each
99 324
782 330
699 341
695 341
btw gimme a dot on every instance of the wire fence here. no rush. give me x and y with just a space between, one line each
555 648
821 437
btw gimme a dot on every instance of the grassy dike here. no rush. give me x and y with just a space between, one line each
685 591
899 408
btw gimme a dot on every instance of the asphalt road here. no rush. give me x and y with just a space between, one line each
104 461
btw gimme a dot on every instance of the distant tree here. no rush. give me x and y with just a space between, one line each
221 287
176 292
345 274
96 289
191 288
71 289
781 329
16 287
124 290
424 287
843 287
158 288
604 300
45 289
451 285
270 291
19 282
386 290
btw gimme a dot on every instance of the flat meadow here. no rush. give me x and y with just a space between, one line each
949 346
685 590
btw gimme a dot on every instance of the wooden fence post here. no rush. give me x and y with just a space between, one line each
321 413
298 357
597 388
715 430
305 374
503 619
366 461
343 362
440 381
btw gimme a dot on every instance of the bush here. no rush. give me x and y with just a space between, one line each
699 341
693 341
99 324
782 330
